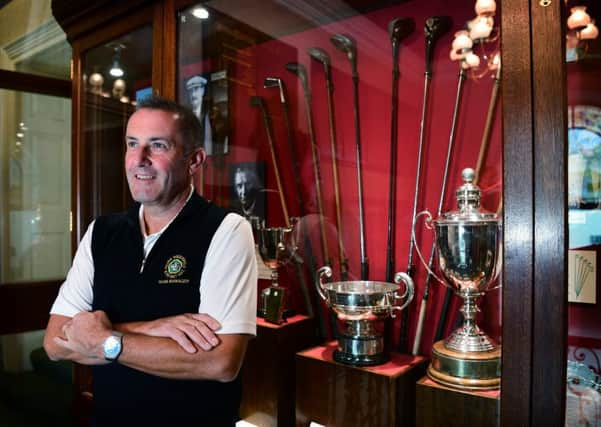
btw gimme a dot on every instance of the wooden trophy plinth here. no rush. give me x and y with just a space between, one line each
268 371
438 405
334 394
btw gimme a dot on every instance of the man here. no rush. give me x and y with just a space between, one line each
160 300
246 185
197 87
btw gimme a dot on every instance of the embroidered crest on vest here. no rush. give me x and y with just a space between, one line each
174 268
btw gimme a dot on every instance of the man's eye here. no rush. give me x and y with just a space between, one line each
131 144
158 146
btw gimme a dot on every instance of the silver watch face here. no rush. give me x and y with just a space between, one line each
112 347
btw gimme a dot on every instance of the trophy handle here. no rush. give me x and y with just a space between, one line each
323 271
409 290
428 222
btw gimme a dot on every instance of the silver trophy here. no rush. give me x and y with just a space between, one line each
468 247
363 305
276 248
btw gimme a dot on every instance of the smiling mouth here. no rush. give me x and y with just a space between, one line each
144 177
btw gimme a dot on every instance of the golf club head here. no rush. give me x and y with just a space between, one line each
300 71
400 28
323 57
434 28
276 82
345 44
319 55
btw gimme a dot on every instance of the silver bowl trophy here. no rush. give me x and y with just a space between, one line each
362 304
468 246
275 247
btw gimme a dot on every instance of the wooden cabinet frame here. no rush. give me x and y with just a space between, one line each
535 210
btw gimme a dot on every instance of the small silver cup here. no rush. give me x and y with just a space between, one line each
276 248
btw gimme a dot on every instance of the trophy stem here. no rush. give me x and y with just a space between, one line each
469 337
470 310
274 277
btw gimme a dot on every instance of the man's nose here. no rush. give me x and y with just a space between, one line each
142 156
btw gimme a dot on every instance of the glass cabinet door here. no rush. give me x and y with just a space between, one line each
115 75
337 122
583 63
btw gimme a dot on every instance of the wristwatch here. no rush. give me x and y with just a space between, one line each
112 346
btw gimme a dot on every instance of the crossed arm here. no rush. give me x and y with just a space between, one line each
182 347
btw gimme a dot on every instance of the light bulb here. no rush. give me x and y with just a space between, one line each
578 18
481 29
462 41
200 13
472 60
116 70
485 7
96 79
589 32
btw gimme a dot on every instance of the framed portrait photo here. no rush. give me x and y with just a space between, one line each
246 182
207 95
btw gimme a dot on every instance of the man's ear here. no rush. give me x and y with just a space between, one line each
197 158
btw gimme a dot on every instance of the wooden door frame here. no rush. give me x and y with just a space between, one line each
535 214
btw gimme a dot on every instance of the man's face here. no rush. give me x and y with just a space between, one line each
157 171
196 94
243 187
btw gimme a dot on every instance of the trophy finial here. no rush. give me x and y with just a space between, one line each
468 175
468 195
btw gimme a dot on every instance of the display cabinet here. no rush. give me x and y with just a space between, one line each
312 111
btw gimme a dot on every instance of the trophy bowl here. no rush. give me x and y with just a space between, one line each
360 304
275 247
468 248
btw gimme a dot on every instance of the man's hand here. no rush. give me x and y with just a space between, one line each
188 330
85 333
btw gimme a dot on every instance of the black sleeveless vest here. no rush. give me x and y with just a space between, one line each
168 285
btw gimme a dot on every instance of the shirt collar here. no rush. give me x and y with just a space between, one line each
141 215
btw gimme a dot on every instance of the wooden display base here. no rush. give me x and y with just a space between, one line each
268 370
333 394
438 405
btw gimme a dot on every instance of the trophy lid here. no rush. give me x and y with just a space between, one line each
468 203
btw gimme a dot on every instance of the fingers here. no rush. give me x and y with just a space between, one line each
191 331
199 329
183 341
206 319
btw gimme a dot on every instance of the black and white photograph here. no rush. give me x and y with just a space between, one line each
246 184
207 95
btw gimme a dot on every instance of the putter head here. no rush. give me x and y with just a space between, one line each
319 55
276 82
299 70
400 28
437 26
345 44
